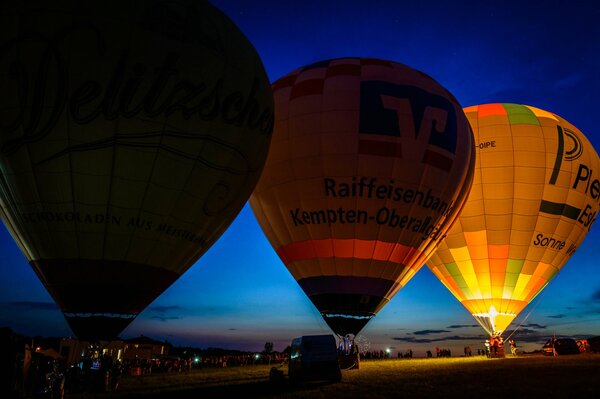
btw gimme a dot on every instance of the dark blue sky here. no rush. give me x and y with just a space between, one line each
239 295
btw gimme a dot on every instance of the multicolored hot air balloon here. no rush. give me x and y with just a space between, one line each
131 134
535 196
369 165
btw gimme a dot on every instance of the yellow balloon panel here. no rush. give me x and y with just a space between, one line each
380 161
533 200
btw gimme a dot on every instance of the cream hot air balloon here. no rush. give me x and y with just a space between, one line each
131 134
370 163
534 198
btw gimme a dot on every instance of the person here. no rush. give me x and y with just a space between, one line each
488 349
116 373
513 347
493 346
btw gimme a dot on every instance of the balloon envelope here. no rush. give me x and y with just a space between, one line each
534 198
369 164
131 134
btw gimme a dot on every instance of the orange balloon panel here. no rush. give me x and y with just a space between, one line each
369 164
131 134
535 196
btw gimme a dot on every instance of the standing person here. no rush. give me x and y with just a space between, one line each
116 373
513 347
494 344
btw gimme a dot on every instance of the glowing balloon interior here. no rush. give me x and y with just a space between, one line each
369 165
534 198
131 134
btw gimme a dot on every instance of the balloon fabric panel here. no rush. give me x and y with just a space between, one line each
132 152
529 208
369 164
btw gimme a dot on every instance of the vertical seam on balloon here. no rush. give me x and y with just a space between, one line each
478 170
328 200
506 308
530 291
113 180
559 220
276 189
73 179
39 203
559 155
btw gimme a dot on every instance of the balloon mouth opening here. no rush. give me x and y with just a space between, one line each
89 326
108 315
343 324
493 315
349 316
489 322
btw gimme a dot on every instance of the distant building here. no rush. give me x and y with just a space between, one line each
145 348
74 350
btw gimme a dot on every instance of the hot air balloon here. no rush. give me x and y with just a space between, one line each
534 198
131 134
369 165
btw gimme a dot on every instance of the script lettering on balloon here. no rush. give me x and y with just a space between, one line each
44 94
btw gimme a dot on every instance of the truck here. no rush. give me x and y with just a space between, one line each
314 358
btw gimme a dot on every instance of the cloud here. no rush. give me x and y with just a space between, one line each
447 338
165 318
463 325
36 305
568 81
232 329
557 316
529 335
427 332
534 325
165 313
164 309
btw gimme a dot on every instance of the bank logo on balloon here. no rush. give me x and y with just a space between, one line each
584 176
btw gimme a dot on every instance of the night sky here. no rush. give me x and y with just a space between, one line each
239 295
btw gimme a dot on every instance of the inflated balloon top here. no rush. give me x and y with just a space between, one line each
369 165
131 134
535 196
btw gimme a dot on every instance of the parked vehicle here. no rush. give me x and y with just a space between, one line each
560 346
594 344
314 358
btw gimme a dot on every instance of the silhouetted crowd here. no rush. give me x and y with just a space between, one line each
442 352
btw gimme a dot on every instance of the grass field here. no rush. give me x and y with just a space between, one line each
571 377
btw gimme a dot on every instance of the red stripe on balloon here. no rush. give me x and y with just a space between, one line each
347 248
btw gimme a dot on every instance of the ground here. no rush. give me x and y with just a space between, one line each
574 376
